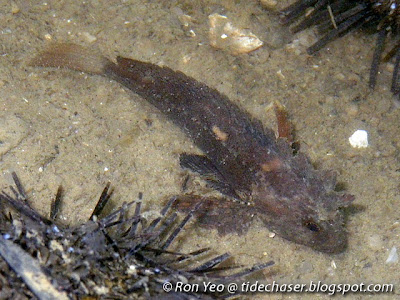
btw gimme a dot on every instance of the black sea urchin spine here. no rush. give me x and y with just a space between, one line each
115 257
338 17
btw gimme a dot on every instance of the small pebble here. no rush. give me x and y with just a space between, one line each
280 75
333 265
185 20
14 8
269 4
132 270
393 256
359 139
395 225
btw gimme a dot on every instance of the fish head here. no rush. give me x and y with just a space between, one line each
317 224
303 209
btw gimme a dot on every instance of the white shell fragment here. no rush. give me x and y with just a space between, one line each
269 4
224 35
393 256
359 139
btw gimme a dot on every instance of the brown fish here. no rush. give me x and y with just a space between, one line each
243 160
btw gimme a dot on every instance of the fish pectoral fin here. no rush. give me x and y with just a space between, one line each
202 165
217 213
198 163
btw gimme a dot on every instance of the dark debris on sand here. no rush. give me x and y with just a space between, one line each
119 256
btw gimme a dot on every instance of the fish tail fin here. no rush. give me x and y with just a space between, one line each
71 56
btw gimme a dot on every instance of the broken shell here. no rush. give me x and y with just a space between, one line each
224 35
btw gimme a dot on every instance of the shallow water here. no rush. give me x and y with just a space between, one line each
63 127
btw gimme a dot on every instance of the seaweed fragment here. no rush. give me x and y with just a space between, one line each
336 18
118 256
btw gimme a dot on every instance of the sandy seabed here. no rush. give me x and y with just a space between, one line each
64 127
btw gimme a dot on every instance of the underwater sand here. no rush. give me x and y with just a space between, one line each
64 127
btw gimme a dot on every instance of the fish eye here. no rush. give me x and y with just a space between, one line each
312 226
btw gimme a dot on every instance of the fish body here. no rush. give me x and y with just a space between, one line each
242 159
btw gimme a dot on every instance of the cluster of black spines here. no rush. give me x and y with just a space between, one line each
336 18
124 253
